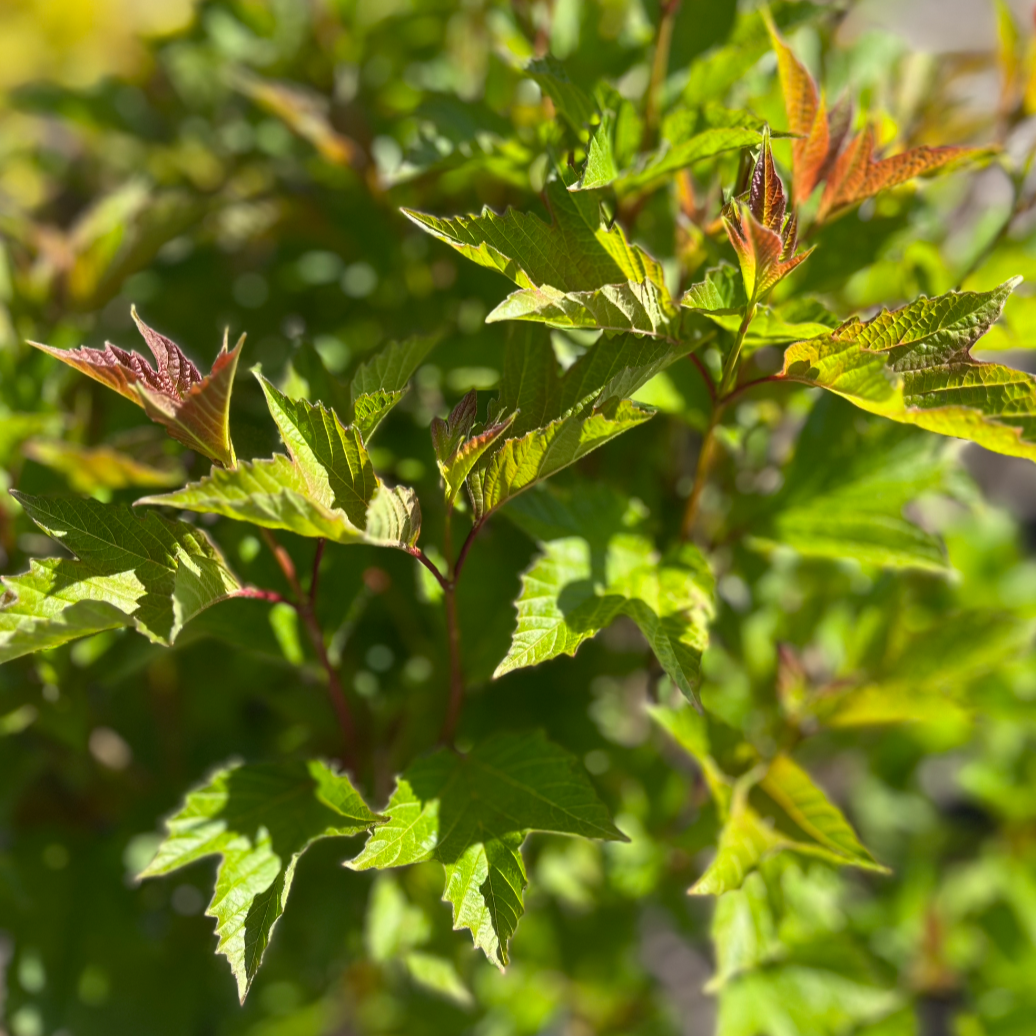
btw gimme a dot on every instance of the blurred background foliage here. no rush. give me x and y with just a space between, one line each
241 163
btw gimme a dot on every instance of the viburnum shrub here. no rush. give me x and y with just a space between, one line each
790 469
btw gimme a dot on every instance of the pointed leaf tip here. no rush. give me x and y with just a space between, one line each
194 409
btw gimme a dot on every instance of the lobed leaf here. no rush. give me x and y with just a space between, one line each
472 813
259 819
269 493
593 569
327 489
576 254
688 135
380 383
195 410
149 572
845 492
914 365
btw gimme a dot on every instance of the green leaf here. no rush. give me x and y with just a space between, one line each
796 999
259 819
689 136
331 457
914 365
562 417
745 840
472 814
744 931
522 462
394 925
689 729
593 568
394 518
814 813
571 102
380 383
148 572
927 678
269 493
90 468
326 489
439 976
845 491
644 307
576 254
715 72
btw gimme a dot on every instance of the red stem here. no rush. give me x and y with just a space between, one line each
466 547
705 375
315 577
429 564
304 606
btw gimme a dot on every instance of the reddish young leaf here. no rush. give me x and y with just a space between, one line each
807 117
850 173
857 176
763 234
195 409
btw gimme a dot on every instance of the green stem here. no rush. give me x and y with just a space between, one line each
708 446
730 368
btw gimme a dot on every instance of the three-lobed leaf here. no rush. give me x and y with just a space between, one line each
472 813
194 409
259 819
914 365
594 567
327 488
148 572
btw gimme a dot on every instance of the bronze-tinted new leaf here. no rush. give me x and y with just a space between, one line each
762 232
850 173
195 409
857 175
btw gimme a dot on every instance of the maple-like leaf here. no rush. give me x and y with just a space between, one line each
259 819
327 488
577 271
127 570
472 813
914 365
194 409
764 235
849 171
593 567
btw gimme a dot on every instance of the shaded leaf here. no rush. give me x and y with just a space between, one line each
571 102
89 468
845 492
259 819
147 572
593 568
472 814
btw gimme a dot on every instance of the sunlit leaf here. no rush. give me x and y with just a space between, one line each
914 365
472 814
259 819
146 572
195 410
